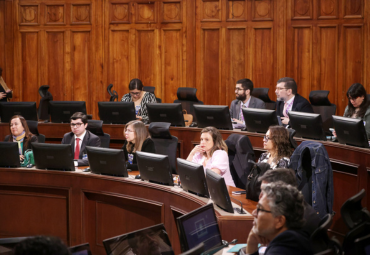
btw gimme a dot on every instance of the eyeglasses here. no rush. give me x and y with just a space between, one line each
259 209
129 131
76 124
266 138
135 93
238 89
279 88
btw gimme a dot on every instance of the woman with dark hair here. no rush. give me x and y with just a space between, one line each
358 106
212 154
140 98
5 92
277 144
137 139
21 134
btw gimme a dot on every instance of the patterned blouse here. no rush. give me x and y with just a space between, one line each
282 163
147 98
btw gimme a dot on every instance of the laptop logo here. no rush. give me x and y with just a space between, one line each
50 157
103 162
187 178
151 169
115 113
66 112
210 117
163 115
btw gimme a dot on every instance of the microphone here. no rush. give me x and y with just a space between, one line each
240 211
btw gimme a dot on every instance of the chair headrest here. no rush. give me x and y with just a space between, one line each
293 143
319 97
32 125
239 142
187 94
160 130
43 90
150 89
262 93
95 127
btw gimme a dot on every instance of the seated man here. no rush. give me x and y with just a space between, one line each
277 220
79 138
287 176
244 99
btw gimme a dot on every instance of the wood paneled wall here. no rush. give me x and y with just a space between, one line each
78 47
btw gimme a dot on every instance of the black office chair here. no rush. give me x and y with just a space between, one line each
262 93
164 142
368 97
195 251
359 232
353 214
187 97
46 97
293 143
96 127
151 89
321 105
33 127
362 244
113 94
240 151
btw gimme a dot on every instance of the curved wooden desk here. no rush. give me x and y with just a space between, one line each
351 165
83 207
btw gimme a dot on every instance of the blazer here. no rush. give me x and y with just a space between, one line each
89 140
148 146
253 103
34 139
366 118
300 104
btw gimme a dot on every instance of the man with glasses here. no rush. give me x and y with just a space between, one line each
277 222
79 138
289 100
244 99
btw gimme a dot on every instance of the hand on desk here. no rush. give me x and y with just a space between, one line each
285 120
237 121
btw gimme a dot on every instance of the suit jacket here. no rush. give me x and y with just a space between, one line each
253 103
148 146
34 139
89 140
300 104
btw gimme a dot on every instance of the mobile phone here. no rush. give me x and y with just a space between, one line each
239 192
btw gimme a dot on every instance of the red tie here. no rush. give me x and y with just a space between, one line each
77 150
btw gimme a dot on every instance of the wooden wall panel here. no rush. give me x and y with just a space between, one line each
211 66
146 56
171 63
30 65
55 63
81 70
119 62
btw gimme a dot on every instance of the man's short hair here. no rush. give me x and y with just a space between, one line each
289 84
285 200
79 115
246 84
43 245
285 175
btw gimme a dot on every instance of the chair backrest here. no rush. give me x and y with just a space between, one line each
319 239
195 251
353 214
164 142
262 93
187 97
319 97
96 127
150 89
349 242
368 97
33 126
240 150
46 97
270 105
293 143
326 112
41 138
113 94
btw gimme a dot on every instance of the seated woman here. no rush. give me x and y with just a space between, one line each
137 139
140 98
358 105
277 144
212 154
21 134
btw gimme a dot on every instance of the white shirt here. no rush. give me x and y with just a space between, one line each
81 137
290 104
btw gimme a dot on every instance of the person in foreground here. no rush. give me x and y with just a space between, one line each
358 105
277 144
289 100
287 175
140 98
244 99
277 220
212 154
42 245
79 138
137 139
20 133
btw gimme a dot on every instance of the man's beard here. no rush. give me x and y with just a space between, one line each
241 97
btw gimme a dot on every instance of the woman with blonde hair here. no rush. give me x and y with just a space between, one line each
212 154
5 92
137 139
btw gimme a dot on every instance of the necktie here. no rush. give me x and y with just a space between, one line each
241 116
285 110
77 149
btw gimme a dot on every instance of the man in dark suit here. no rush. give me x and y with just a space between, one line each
79 138
243 91
289 100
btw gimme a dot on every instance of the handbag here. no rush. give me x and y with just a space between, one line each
253 186
188 118
28 159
